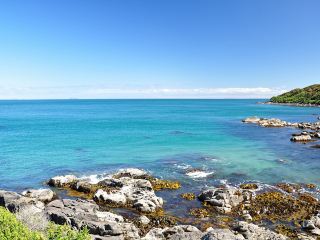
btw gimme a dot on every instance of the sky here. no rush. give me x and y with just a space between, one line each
157 48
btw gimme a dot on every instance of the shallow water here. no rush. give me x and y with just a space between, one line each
41 139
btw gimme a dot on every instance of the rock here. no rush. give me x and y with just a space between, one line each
301 138
222 234
179 232
117 198
82 213
273 122
43 195
81 186
254 232
143 220
61 181
136 193
144 205
223 199
247 217
130 172
303 236
312 225
14 202
252 120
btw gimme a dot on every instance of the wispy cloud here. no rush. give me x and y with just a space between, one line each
101 92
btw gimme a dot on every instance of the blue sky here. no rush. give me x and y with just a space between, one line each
158 48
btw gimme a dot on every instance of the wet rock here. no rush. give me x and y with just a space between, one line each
62 181
252 120
312 225
254 232
188 196
280 206
311 186
223 199
199 212
82 213
43 195
250 186
159 184
14 202
301 138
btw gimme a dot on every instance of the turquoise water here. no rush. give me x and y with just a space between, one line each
41 139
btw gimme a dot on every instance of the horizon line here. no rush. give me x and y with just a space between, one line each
50 99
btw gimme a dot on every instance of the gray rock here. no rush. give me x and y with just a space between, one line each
312 225
61 181
116 198
81 213
136 192
43 195
130 172
222 234
223 199
174 233
143 220
14 202
301 138
254 232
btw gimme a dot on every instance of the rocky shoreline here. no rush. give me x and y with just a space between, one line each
303 136
284 211
291 104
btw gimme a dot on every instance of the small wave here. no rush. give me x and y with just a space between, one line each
182 166
95 178
199 174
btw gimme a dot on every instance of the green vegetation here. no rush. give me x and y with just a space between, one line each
12 229
308 95
59 232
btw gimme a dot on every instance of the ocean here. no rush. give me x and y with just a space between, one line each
42 139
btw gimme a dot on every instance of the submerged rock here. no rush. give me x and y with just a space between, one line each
250 186
188 196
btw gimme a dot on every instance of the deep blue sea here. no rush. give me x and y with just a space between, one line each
41 139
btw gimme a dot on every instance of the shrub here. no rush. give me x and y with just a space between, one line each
64 232
12 229
307 95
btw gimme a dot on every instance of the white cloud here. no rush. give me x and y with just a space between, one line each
100 92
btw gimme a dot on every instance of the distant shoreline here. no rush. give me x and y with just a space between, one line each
291 104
